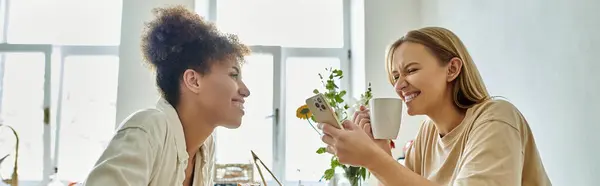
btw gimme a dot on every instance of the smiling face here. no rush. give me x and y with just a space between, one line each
221 92
421 79
432 71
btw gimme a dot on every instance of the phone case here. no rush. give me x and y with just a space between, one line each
321 111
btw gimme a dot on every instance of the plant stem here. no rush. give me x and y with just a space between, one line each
313 126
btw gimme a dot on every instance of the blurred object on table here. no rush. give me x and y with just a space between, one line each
233 174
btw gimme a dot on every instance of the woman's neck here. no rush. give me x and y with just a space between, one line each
447 116
196 127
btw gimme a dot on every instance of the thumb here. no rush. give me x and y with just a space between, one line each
348 125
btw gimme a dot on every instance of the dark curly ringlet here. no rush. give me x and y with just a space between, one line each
177 40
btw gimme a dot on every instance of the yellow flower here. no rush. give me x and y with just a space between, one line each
303 112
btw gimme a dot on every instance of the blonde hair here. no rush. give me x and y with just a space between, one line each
469 88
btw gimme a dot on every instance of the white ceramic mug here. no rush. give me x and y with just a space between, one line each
386 115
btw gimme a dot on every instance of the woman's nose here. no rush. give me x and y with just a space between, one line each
243 90
400 84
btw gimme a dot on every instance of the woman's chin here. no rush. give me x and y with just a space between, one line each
413 111
412 114
232 126
232 123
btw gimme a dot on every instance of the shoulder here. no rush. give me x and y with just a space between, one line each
151 121
427 128
426 134
496 111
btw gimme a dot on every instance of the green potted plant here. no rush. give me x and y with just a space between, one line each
335 98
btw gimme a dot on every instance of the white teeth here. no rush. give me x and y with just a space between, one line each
410 97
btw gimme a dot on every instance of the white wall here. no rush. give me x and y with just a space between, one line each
540 55
375 25
137 88
384 21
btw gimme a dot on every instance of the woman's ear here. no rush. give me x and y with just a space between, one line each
191 80
454 68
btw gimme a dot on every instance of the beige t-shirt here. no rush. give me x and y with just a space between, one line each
493 146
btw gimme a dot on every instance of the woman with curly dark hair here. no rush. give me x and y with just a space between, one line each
198 74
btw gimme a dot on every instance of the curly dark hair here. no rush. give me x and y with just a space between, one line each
179 39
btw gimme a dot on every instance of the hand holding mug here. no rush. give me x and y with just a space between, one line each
362 118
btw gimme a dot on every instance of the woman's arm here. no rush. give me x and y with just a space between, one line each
389 172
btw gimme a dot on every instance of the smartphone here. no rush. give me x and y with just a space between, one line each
322 111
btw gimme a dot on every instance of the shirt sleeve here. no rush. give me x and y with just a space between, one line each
413 156
128 160
410 159
493 156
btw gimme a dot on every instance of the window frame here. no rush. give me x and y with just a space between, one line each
344 54
53 54
52 121
63 52
47 51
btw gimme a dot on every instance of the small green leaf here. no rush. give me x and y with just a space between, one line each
330 95
338 73
329 173
342 93
315 91
339 99
322 150
346 107
330 86
363 173
335 163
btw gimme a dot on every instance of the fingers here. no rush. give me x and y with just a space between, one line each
348 125
363 122
330 141
329 129
327 139
355 119
360 115
368 130
331 150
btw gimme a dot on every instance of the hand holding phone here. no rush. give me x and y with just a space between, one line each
322 111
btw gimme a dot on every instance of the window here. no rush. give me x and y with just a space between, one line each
22 108
304 38
256 130
88 109
287 23
79 41
64 22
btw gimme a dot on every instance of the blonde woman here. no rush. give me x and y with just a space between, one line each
469 138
